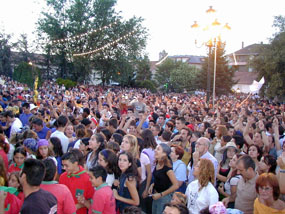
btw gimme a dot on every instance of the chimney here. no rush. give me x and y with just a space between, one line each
242 44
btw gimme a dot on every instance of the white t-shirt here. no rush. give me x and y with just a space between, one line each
110 179
144 161
198 200
231 182
16 126
63 139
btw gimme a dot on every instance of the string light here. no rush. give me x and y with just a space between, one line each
105 46
83 34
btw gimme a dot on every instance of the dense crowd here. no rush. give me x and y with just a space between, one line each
93 149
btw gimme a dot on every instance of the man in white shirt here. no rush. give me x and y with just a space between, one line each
60 124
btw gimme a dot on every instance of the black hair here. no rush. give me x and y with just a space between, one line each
26 105
132 170
271 161
50 169
248 162
106 133
38 121
181 207
79 155
86 110
57 148
61 121
239 141
148 139
132 210
71 156
20 150
211 132
34 170
113 122
120 131
9 114
118 138
99 171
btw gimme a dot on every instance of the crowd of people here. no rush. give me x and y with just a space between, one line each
93 149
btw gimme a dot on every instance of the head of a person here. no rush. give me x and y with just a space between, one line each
195 136
202 145
162 154
50 169
113 122
70 162
26 108
169 126
127 163
233 161
209 133
69 130
205 172
115 147
185 134
267 164
171 208
155 129
246 167
38 124
254 152
267 186
44 149
179 198
56 146
228 153
177 153
108 159
221 130
9 116
130 144
116 137
61 121
132 210
180 123
148 139
97 142
33 172
98 175
14 181
19 156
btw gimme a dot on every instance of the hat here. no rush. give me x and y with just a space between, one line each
31 144
33 106
42 142
218 208
165 148
229 144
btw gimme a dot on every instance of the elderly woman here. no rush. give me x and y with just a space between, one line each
267 188
201 193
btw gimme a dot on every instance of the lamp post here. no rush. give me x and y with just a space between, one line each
211 42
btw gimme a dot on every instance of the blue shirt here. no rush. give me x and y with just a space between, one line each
43 133
25 118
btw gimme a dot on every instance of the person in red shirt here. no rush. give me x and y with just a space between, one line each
19 158
103 198
76 179
4 149
65 202
9 203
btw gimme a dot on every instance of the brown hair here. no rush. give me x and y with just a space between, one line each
178 151
3 171
268 179
223 130
5 146
207 173
182 197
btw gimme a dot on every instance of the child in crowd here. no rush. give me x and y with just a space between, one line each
14 181
31 146
44 151
19 158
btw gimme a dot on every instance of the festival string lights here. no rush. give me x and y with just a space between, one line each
105 46
68 39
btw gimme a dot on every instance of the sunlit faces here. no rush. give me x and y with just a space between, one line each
43 150
184 134
19 159
179 125
123 162
70 167
201 147
265 192
173 155
158 153
102 161
262 166
253 152
95 181
257 140
69 131
125 145
93 144
13 182
233 162
231 151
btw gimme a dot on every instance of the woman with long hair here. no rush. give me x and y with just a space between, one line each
4 149
127 194
57 149
108 159
255 153
220 131
201 192
130 144
230 186
267 164
96 144
165 182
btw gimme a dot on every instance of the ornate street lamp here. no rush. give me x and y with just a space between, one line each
212 40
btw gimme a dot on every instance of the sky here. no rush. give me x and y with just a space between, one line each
169 21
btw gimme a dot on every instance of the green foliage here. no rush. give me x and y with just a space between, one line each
224 73
73 17
143 69
148 84
5 55
176 76
270 63
26 74
66 82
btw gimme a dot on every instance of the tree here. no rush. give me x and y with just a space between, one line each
5 54
143 69
26 73
224 73
70 18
